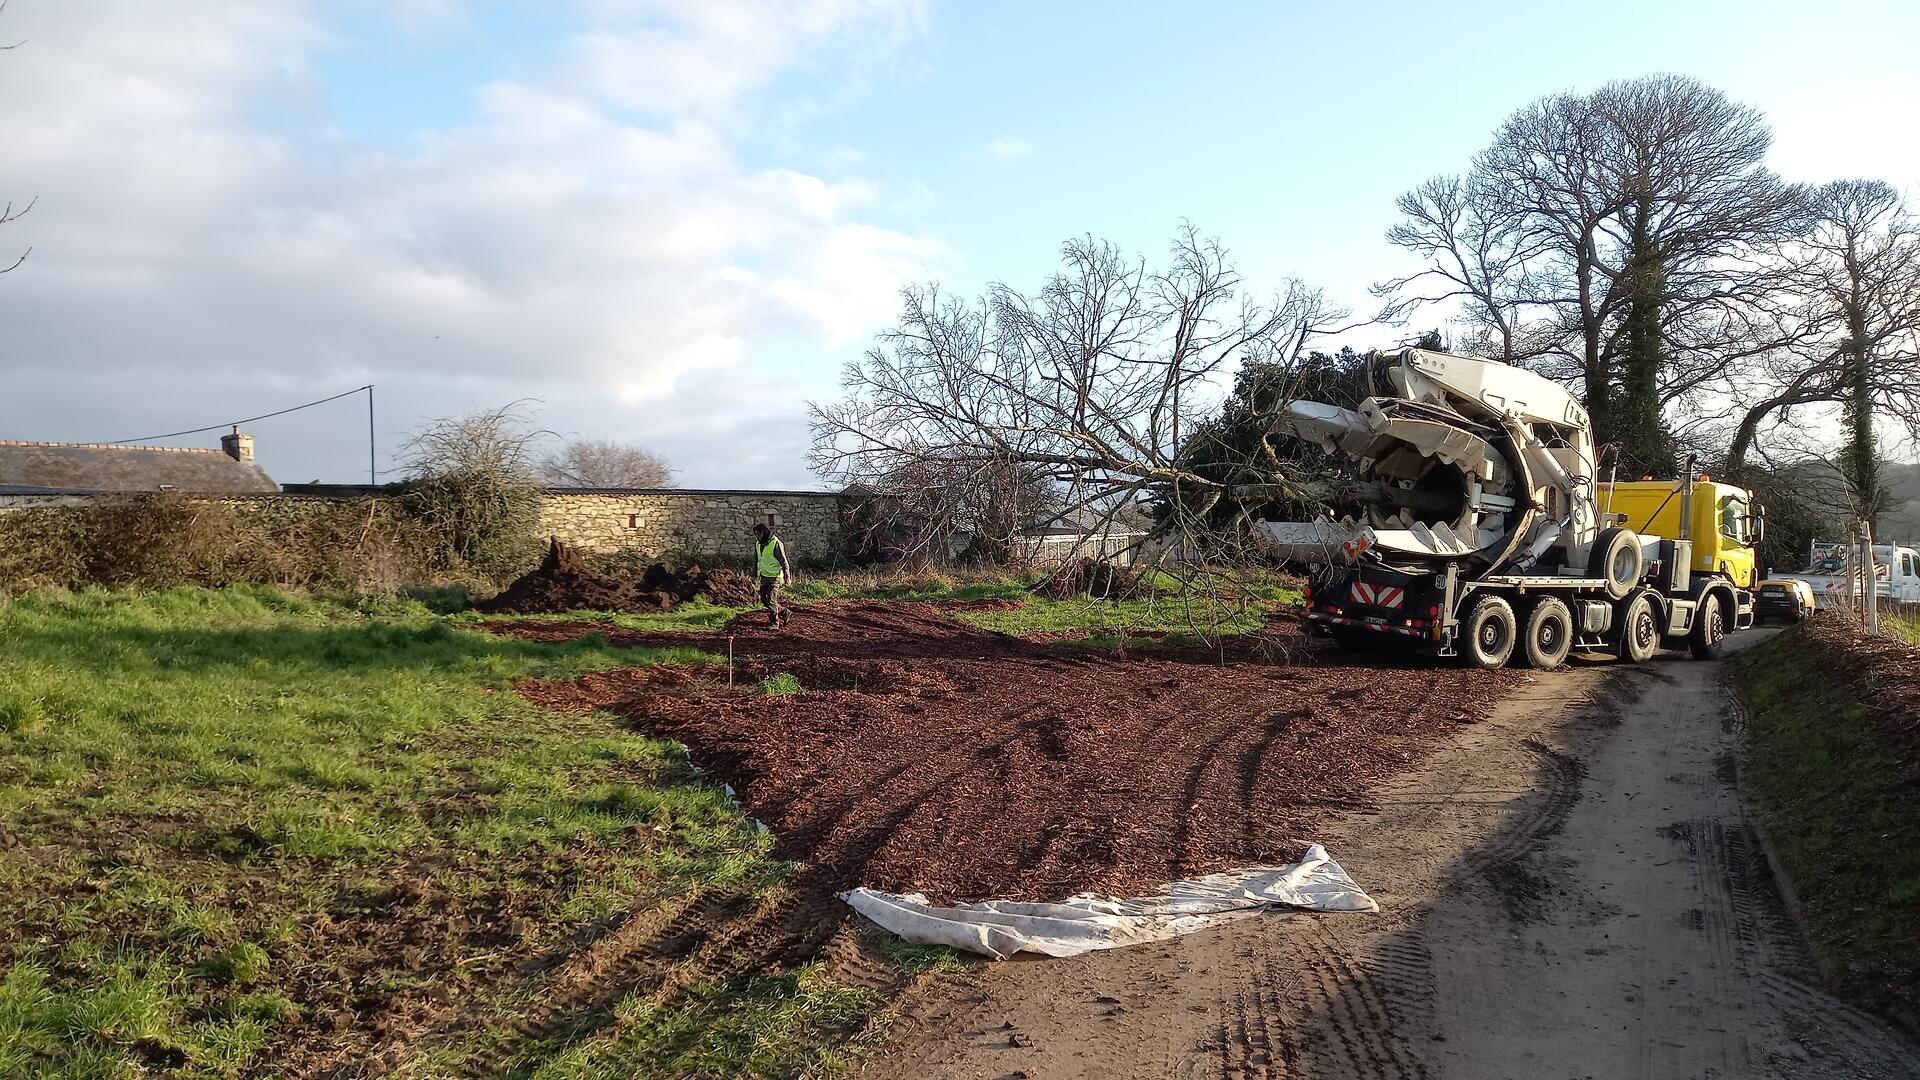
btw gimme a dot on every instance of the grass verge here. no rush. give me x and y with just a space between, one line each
244 832
1831 761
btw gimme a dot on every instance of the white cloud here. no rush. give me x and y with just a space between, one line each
1009 148
591 236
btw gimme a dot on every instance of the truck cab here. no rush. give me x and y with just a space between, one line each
1724 527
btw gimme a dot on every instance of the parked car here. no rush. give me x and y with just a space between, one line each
1783 598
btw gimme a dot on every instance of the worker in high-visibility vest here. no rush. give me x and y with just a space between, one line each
770 564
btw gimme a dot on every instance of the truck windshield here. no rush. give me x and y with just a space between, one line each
1733 519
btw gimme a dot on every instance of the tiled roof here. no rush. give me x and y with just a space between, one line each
85 467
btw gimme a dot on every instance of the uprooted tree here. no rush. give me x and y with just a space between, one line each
1242 434
1095 384
929 509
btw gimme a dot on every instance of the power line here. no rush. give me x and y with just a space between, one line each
263 416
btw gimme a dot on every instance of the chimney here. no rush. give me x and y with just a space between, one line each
239 447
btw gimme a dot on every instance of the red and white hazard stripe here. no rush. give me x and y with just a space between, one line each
1386 596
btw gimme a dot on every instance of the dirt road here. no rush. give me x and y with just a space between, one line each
1566 892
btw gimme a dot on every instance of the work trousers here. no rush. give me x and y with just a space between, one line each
770 599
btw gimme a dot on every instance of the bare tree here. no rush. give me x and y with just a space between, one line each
1858 281
1625 238
605 463
8 215
1700 217
1478 253
929 509
1096 381
7 212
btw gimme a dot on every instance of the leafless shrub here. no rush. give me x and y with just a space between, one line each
474 487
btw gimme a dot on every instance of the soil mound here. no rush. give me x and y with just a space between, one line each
1089 577
731 588
565 582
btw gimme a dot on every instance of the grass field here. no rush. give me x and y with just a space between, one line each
1164 607
1838 800
244 832
1173 611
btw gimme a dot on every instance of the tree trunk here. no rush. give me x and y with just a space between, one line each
1639 427
1858 459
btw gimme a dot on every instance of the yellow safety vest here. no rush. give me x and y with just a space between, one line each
769 562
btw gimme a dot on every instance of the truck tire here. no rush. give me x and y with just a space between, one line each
1487 635
1708 641
1615 558
1637 623
1547 636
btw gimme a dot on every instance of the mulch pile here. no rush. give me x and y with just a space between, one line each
564 581
1882 673
925 755
1089 577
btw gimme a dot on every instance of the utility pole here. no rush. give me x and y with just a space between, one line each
373 475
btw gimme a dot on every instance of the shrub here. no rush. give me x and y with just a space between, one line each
167 539
481 518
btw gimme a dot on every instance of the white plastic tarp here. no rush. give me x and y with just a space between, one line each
1083 923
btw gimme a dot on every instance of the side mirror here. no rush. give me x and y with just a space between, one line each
1760 525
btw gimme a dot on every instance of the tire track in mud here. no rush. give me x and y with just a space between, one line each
1660 951
1506 862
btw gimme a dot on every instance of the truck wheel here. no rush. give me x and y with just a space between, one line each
1547 637
1638 625
1487 635
1709 636
1615 559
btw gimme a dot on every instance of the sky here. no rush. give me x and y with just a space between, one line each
672 222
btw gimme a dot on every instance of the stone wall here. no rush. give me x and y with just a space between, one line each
656 524
708 524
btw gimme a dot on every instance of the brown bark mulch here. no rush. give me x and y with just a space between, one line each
923 755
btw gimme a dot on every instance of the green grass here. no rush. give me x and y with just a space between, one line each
1902 625
930 586
1102 622
195 785
1180 610
693 616
779 684
1840 811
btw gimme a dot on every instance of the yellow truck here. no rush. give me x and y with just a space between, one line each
1474 527
1713 529
1721 520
